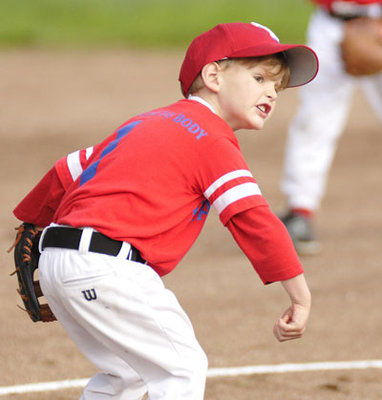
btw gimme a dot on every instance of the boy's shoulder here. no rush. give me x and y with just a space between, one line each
192 116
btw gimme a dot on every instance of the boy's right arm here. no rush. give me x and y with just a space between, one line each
293 322
265 241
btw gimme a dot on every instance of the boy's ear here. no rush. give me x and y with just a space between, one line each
211 76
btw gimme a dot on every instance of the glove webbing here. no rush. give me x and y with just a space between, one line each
44 313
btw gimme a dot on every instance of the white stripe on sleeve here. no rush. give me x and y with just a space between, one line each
74 164
89 152
224 179
234 194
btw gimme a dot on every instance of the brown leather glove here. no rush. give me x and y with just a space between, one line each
362 46
26 256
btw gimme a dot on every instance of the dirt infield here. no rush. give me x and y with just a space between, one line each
52 103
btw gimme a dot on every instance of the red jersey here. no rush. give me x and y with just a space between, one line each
151 183
337 3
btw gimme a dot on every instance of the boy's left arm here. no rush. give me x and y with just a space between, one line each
36 211
40 204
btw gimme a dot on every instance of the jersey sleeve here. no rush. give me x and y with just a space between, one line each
226 181
70 168
39 205
265 241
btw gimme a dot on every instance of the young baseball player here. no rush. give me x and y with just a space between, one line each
123 213
322 113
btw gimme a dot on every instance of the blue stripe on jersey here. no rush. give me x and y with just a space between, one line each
91 170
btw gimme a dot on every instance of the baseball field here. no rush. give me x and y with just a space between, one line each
56 98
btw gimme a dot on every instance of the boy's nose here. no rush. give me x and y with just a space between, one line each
271 93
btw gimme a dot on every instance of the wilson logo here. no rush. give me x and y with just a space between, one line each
89 295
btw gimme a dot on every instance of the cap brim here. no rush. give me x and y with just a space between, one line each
302 60
303 64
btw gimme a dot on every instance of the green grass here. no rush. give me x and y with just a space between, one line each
139 23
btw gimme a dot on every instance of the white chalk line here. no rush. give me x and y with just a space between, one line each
212 373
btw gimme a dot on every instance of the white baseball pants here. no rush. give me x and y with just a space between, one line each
126 322
321 116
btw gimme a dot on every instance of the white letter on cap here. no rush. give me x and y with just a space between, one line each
273 35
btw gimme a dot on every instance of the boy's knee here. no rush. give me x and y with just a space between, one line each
200 366
204 362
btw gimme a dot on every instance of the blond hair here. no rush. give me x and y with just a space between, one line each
272 60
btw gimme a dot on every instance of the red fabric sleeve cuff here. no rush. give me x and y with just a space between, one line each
265 241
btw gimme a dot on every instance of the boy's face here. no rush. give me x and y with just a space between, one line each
247 95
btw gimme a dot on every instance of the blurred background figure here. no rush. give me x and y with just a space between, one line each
322 114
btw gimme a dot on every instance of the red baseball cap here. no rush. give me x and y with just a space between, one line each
239 39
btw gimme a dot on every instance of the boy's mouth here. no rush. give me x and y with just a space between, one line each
264 109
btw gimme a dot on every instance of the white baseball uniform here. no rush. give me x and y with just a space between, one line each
123 213
322 113
148 186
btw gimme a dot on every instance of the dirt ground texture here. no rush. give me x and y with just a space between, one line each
52 103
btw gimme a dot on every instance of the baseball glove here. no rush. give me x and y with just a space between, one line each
362 46
26 256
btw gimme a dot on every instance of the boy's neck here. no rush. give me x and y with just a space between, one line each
201 100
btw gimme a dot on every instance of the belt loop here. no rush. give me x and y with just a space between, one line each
40 249
125 251
86 236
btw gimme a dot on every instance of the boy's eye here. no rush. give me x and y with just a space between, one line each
259 78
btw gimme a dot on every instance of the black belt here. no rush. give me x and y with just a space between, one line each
69 238
346 17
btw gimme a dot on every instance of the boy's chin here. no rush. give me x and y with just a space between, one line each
252 125
249 128
256 123
257 126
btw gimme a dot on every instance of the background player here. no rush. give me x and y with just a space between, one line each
126 211
321 116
